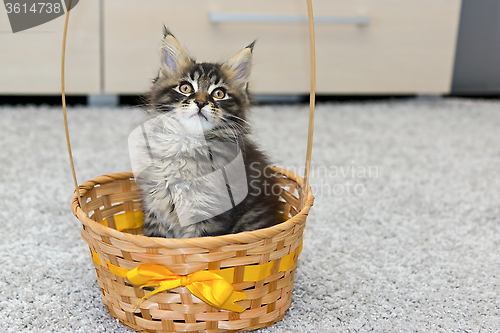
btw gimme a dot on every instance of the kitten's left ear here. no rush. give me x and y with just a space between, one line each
173 56
238 67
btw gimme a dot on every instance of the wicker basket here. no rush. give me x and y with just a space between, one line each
231 283
109 198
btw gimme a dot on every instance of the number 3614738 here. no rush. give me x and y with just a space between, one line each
35 8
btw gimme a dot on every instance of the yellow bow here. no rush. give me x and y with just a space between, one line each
207 286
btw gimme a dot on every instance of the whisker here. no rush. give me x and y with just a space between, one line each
239 118
232 123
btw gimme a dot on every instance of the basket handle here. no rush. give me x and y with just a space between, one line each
312 101
63 95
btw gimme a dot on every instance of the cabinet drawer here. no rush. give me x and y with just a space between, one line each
408 47
405 47
30 60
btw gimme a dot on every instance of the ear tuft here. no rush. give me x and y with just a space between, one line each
166 31
251 45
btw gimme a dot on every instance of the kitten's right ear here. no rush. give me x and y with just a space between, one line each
173 56
238 67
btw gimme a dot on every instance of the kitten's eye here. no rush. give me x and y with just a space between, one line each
218 93
186 88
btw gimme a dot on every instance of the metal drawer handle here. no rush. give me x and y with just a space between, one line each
216 17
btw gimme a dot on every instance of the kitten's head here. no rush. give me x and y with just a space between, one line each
213 95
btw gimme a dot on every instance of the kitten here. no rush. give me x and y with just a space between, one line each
208 177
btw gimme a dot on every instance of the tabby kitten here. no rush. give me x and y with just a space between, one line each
208 178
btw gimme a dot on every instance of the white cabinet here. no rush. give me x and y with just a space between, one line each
363 46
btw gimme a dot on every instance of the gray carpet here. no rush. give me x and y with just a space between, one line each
404 235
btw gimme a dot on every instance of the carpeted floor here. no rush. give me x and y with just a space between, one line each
404 235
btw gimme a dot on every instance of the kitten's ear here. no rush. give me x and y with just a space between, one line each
173 56
238 67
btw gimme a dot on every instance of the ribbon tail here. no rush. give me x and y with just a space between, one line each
230 304
163 285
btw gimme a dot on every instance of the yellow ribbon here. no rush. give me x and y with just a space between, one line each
207 286
214 287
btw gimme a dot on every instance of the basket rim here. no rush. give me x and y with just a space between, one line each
202 242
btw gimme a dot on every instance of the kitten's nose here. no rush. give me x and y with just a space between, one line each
200 103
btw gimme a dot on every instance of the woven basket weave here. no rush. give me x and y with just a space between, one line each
177 310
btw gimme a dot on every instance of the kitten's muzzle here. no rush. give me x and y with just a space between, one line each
200 103
200 99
